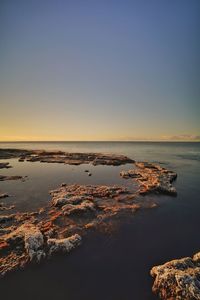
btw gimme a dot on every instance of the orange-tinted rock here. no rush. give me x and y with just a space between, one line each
178 279
152 178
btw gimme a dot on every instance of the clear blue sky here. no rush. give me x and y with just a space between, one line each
99 70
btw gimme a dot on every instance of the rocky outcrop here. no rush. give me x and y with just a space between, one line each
152 178
27 244
178 279
65 157
74 209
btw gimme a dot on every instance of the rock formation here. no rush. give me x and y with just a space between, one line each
178 279
28 244
74 209
152 178
64 157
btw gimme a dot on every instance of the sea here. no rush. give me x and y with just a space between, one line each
116 265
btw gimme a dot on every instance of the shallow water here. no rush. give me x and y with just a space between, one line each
115 266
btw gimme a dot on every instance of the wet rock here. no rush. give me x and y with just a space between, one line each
85 206
130 174
34 242
4 219
4 195
56 228
152 178
3 178
65 157
59 202
76 193
27 244
5 165
63 245
4 207
178 279
21 159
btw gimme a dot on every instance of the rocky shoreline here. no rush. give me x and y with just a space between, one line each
178 279
74 209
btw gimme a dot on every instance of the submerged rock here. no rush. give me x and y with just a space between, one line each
3 178
4 195
178 279
5 165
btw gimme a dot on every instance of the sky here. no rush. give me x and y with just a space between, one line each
99 70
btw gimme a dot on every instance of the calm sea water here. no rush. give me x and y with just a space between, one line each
110 267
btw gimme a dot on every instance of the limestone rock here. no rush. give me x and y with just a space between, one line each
178 279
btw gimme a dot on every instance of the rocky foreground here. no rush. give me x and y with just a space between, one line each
178 279
74 209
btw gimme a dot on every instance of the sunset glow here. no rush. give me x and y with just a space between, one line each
98 70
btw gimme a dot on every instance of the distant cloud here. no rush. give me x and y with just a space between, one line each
182 137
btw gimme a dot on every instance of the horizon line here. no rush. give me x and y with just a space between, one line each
98 141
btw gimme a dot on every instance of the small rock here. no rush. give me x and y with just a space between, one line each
3 196
63 245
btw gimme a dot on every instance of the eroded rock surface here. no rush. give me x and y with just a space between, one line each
178 279
27 243
93 200
152 178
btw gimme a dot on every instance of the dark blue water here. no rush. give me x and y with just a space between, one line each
115 266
